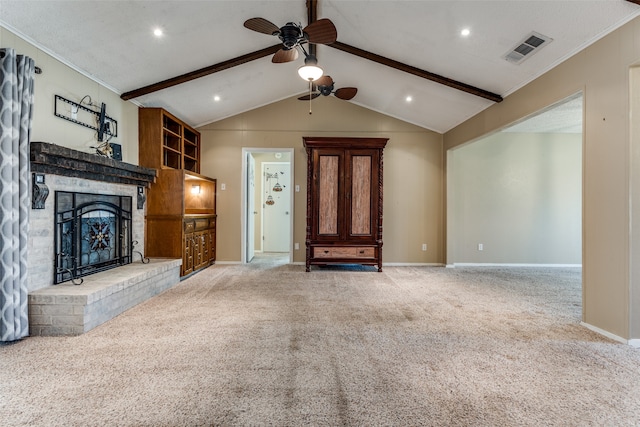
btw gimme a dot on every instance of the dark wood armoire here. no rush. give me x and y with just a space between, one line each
344 201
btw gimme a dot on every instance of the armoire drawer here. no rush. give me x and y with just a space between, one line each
343 252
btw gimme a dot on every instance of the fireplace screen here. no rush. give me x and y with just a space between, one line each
92 234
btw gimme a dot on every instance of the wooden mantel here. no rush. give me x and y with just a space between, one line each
58 160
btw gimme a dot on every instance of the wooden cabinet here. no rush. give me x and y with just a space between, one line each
199 243
181 204
181 219
344 201
168 142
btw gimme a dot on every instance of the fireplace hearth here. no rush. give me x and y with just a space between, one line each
92 234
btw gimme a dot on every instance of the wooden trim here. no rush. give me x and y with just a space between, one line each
312 16
417 71
634 1
221 66
343 142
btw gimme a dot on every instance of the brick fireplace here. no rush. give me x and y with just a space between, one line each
69 308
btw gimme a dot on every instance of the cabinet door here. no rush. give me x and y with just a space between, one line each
212 245
328 188
205 246
197 250
362 188
187 255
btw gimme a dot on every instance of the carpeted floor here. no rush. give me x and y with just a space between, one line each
268 344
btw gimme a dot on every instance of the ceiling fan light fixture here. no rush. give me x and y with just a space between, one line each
310 70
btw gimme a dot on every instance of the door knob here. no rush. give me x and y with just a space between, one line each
286 213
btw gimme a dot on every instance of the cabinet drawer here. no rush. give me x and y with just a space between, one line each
343 252
202 223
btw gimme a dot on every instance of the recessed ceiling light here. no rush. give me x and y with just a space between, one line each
409 98
465 32
157 32
216 98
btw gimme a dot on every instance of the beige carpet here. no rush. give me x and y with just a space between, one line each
268 344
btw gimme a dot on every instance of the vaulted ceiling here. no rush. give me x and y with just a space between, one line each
389 50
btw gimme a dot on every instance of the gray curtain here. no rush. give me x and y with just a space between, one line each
16 105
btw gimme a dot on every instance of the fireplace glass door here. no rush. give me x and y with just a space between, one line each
92 233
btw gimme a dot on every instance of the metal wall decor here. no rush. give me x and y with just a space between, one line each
276 187
82 115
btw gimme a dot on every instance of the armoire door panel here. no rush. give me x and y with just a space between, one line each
361 195
328 195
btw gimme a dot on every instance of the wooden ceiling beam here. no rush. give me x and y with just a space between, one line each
417 71
312 16
221 66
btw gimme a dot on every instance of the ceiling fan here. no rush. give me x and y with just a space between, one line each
319 31
292 35
325 86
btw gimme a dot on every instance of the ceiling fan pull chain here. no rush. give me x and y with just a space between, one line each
310 97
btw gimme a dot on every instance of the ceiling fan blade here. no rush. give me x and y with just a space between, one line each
261 25
321 32
285 55
308 97
324 81
346 93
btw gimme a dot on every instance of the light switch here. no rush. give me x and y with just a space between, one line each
223 186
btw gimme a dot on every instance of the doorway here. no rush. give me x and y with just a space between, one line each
267 202
515 197
276 205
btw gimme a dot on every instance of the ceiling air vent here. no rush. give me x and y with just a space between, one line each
527 47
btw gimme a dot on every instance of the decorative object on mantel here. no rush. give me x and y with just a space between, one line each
39 191
82 115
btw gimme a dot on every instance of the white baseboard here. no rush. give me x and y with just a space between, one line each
474 264
394 264
412 264
634 342
227 262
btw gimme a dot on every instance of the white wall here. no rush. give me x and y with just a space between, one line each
520 196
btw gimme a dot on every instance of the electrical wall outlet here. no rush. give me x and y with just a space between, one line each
296 246
480 246
424 246
297 188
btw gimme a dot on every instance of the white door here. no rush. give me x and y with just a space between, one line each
276 205
251 206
